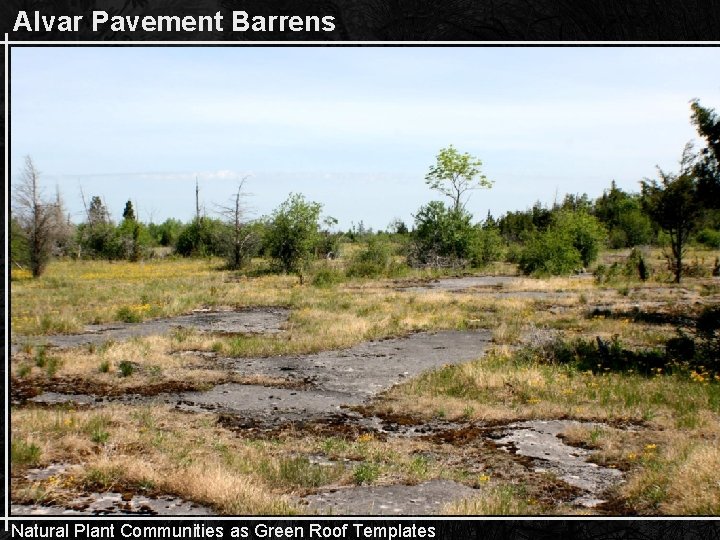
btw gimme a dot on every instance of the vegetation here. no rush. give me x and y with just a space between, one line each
627 348
293 232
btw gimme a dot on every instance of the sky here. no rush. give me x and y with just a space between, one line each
353 128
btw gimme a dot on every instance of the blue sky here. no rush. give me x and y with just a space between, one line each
355 129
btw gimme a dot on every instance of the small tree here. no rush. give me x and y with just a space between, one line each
454 174
293 232
672 203
36 218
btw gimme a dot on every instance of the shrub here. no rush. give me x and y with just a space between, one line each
126 368
293 233
373 261
327 276
487 246
709 238
572 241
549 253
443 236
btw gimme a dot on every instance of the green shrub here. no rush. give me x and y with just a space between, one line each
487 246
572 241
126 368
709 238
326 276
549 253
373 261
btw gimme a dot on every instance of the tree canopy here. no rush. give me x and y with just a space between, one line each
454 174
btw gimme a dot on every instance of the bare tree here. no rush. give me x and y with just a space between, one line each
242 239
36 217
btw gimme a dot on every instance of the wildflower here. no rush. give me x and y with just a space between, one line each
365 438
650 447
484 478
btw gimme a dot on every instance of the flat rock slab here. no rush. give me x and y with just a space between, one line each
490 286
423 499
540 440
462 283
336 379
246 321
98 504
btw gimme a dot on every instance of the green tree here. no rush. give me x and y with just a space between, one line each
293 232
454 174
673 204
96 236
707 167
131 238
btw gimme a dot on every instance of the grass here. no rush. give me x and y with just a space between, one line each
671 463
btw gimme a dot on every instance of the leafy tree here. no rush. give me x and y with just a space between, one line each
707 167
622 215
293 232
36 218
673 204
454 174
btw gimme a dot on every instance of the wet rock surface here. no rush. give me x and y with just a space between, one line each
422 499
541 441
112 503
245 321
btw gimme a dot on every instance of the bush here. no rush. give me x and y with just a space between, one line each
327 276
549 253
572 241
373 261
293 233
709 238
204 237
443 236
487 246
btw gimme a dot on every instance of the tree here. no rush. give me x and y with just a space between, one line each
454 174
707 168
96 235
673 204
293 232
243 240
36 218
129 212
